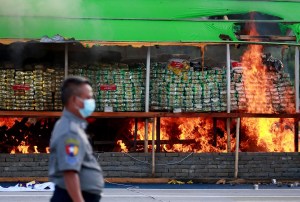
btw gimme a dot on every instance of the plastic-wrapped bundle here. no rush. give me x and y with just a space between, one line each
193 91
59 77
121 88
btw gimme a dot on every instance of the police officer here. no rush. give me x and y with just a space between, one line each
72 167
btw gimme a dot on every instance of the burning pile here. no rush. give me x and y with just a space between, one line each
261 92
255 88
25 135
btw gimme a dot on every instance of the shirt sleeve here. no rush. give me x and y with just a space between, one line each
70 153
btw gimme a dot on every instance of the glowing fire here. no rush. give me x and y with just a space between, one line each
22 148
184 135
272 134
122 145
17 134
257 134
8 122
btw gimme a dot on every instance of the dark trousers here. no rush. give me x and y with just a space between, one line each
61 195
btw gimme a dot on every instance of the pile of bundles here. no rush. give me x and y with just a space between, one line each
30 89
58 78
174 85
277 89
116 86
190 91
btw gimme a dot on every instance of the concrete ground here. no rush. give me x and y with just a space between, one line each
182 193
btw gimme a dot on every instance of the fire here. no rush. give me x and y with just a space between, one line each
271 134
8 122
257 134
36 150
19 135
122 145
22 148
186 135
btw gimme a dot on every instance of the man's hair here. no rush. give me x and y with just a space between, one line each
70 87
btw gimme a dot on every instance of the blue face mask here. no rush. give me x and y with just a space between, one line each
89 106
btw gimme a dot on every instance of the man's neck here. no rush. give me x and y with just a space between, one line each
75 112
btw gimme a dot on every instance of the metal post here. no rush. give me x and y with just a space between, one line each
66 60
158 134
237 143
228 135
228 76
297 78
147 81
135 133
146 137
228 95
147 98
153 147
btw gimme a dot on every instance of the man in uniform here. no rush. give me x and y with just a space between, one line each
72 166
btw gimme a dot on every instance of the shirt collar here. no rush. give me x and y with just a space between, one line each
83 123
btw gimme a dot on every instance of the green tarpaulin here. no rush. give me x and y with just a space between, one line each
134 20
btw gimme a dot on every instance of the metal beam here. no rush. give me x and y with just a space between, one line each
268 38
228 76
237 143
296 120
297 78
147 96
228 80
66 60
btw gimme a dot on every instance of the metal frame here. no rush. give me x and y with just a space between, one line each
66 60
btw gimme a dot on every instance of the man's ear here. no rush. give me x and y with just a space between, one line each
73 99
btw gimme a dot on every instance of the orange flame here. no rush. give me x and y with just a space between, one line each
36 150
193 135
122 145
271 134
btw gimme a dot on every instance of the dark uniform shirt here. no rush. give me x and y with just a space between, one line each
71 150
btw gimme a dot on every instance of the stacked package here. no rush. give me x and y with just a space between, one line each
7 94
58 78
116 86
24 96
48 89
28 89
277 89
237 91
282 90
189 91
38 88
121 88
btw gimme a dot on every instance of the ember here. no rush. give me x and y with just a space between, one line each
25 135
